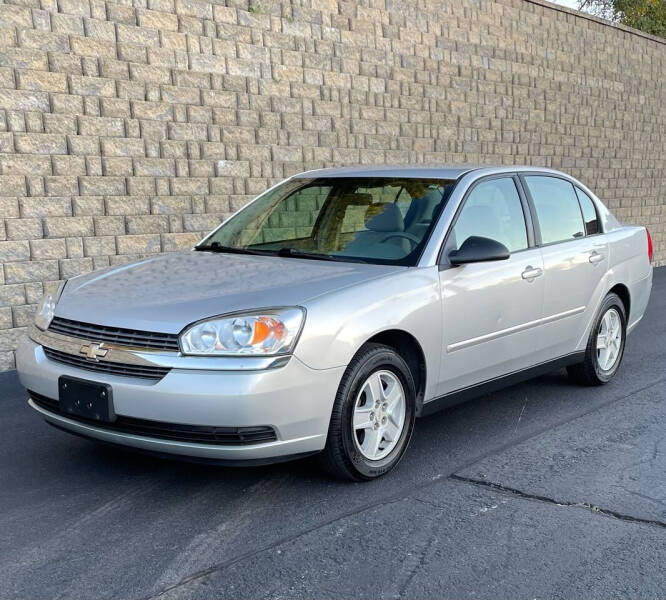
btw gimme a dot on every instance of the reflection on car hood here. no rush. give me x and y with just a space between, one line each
166 292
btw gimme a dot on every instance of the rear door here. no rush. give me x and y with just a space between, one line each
491 310
575 259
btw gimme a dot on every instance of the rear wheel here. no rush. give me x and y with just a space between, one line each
373 415
605 346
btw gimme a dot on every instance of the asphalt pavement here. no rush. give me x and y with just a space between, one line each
542 490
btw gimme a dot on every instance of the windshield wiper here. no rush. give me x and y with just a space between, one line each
290 252
217 247
296 253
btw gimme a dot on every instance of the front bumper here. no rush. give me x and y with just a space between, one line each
294 400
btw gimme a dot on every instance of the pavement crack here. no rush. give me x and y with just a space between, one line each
520 416
409 491
585 505
423 554
428 503
221 566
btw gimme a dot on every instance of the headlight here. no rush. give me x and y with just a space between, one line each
264 333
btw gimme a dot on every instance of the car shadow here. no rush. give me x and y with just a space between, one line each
448 433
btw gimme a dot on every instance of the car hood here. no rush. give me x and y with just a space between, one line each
167 292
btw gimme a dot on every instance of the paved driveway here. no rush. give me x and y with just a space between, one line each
544 490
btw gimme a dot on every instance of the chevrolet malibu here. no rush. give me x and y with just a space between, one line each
334 309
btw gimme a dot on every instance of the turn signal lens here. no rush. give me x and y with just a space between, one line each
266 333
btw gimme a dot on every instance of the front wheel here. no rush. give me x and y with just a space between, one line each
373 415
605 346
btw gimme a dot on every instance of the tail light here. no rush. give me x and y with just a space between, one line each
650 248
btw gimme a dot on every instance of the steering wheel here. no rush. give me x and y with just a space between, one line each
403 234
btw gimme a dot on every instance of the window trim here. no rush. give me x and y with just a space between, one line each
537 225
594 207
443 261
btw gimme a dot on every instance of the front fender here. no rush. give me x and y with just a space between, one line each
339 323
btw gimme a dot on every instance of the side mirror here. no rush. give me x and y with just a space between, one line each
478 249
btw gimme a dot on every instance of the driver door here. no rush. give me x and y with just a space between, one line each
491 310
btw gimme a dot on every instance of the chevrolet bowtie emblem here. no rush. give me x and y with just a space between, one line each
94 351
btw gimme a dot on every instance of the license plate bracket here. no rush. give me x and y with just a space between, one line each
86 399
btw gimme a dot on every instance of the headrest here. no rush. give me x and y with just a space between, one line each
421 209
373 210
388 220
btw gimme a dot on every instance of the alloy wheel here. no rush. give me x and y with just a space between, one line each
609 339
379 415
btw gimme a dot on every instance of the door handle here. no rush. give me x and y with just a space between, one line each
531 273
595 257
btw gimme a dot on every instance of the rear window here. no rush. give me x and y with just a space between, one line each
557 208
589 212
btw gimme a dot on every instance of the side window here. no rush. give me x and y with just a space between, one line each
589 212
557 208
493 210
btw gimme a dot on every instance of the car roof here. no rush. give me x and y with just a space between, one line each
417 171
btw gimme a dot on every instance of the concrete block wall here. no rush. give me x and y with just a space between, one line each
131 127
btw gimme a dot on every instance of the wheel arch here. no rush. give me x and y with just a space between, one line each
409 348
623 292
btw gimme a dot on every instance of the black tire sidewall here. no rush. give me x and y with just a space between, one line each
611 301
379 359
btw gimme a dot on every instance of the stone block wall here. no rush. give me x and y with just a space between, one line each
131 127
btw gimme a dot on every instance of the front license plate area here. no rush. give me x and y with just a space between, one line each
86 399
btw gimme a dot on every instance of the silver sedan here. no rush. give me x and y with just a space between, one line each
334 309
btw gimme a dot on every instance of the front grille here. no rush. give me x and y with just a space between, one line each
115 335
202 434
144 372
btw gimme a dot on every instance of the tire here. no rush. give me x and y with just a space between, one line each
594 370
348 450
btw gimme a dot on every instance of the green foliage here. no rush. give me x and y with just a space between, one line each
646 15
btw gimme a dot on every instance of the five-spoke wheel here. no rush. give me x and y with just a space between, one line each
609 339
605 345
373 415
379 415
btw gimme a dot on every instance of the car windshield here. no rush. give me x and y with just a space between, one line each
376 220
